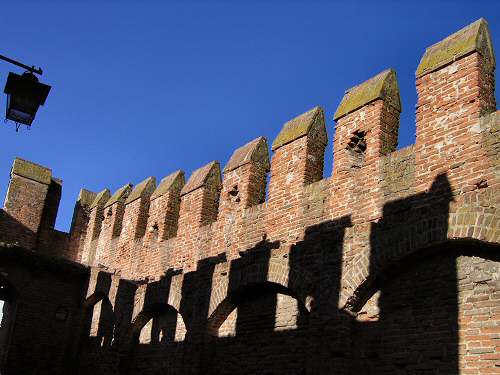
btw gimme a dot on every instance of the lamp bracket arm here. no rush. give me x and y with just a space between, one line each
32 69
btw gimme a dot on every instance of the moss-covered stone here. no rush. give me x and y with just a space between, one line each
86 197
120 195
173 182
199 178
254 151
383 86
475 37
32 171
301 126
101 198
143 189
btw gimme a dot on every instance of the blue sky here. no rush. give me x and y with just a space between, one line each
143 88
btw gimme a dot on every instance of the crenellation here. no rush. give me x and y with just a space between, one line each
243 187
112 222
208 216
453 94
164 207
245 174
137 208
367 129
25 199
94 226
134 223
198 208
297 161
80 225
349 274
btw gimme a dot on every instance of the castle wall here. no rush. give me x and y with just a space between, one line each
355 273
45 297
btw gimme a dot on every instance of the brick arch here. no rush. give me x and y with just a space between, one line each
281 278
143 317
148 313
155 305
474 222
472 217
369 285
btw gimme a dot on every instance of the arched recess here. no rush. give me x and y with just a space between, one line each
297 309
259 327
158 327
469 224
8 305
371 283
277 272
418 314
157 323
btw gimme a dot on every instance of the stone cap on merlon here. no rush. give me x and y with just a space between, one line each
120 195
383 86
142 189
101 198
201 176
31 171
312 120
86 197
173 182
254 151
474 37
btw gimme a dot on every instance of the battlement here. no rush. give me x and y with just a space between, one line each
141 231
388 266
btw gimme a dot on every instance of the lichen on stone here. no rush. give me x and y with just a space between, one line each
300 126
253 151
101 198
201 176
383 86
144 188
173 182
120 195
32 171
474 37
86 197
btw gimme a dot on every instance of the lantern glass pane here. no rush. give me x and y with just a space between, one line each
21 109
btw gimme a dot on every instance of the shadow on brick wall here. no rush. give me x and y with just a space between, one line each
277 310
410 323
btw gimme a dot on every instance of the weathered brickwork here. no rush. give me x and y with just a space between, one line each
419 315
391 265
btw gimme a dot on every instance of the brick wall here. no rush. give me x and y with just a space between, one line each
425 310
45 297
323 276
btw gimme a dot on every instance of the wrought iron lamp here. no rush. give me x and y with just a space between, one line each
25 94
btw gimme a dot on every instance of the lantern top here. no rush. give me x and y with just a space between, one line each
27 85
